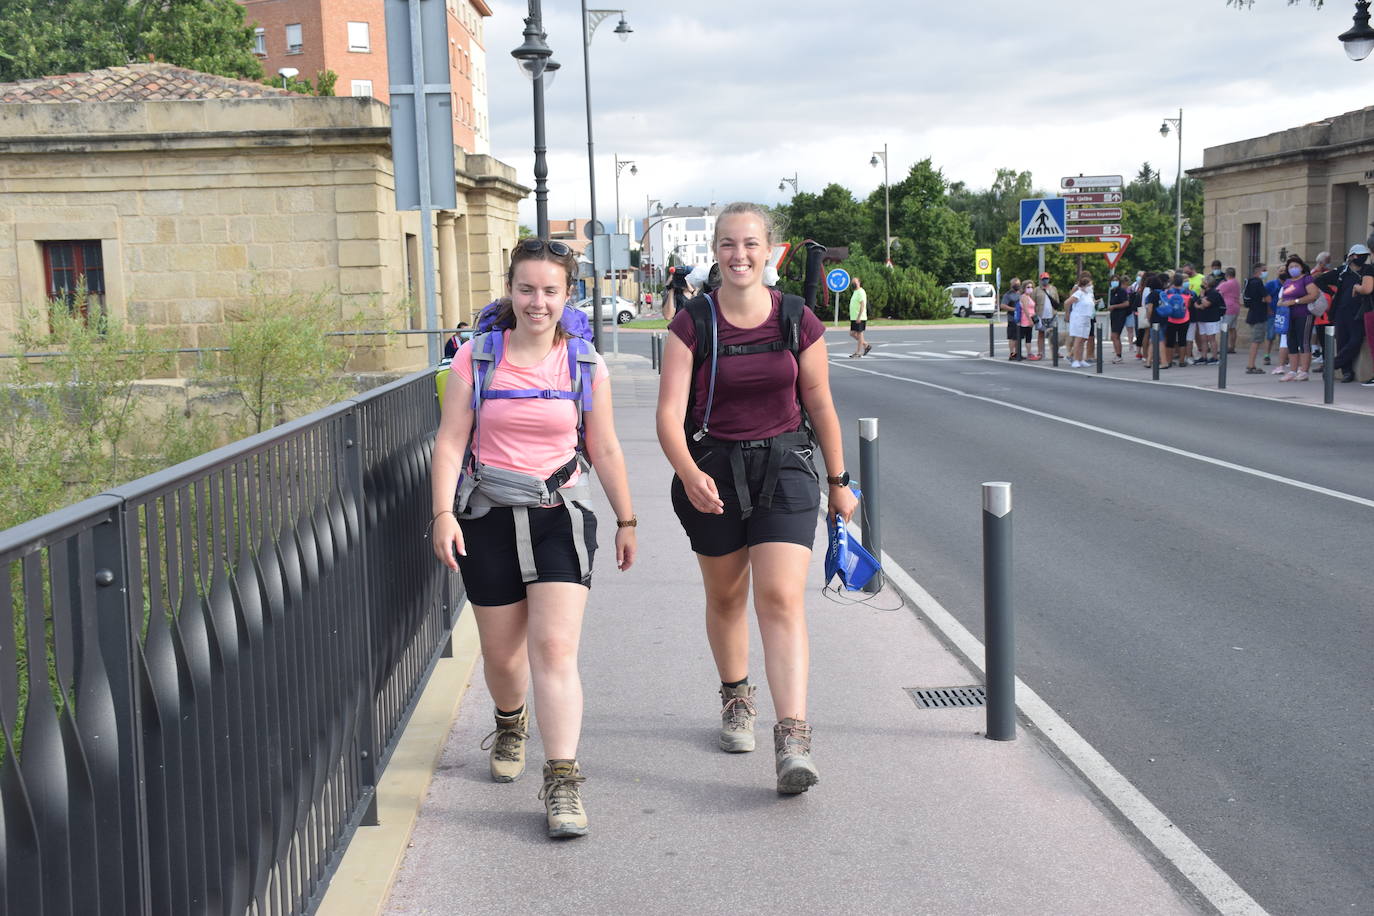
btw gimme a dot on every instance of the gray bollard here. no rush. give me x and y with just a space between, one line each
1156 340
1221 356
992 339
653 351
1054 341
1328 364
998 663
870 530
1098 332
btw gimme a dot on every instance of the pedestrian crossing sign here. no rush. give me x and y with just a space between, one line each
1042 221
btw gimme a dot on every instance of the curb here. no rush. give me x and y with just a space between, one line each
363 881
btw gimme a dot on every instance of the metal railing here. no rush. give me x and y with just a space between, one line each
204 672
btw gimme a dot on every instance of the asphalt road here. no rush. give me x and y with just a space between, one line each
1208 629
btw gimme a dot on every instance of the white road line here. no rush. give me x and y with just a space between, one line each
1206 459
967 352
930 355
1154 826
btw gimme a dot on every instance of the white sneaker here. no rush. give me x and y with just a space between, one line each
1279 370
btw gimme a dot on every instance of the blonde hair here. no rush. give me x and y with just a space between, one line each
744 207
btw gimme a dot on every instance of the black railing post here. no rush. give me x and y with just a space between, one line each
1054 341
368 751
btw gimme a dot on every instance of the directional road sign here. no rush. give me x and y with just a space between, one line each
1042 221
1090 181
1099 197
1113 256
837 281
1094 214
1090 247
1079 230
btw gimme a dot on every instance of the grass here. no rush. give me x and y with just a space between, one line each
658 324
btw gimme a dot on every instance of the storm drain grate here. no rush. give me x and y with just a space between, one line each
947 697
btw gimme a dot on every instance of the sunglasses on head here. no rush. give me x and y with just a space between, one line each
534 246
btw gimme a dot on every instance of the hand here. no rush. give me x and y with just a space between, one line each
702 494
843 502
447 537
626 547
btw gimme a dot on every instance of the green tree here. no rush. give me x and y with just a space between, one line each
990 210
928 233
323 85
833 217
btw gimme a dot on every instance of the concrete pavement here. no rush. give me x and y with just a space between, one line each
916 811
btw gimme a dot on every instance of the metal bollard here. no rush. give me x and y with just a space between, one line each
1054 341
998 663
655 350
869 528
1221 357
992 339
1328 364
1099 346
1156 339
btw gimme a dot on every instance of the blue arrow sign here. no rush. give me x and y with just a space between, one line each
1042 221
837 281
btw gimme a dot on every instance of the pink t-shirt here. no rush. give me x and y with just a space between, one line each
534 436
1230 294
1027 309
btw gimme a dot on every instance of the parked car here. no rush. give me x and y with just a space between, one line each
621 308
972 298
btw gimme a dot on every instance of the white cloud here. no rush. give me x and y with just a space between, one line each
717 100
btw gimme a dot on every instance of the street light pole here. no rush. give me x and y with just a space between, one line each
648 239
782 184
887 205
1178 186
536 62
590 20
634 170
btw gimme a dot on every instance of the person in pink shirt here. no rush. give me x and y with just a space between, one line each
526 563
1025 322
1230 294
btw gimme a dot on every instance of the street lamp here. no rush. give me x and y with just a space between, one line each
1178 186
646 238
1359 40
634 170
590 20
782 185
887 204
535 60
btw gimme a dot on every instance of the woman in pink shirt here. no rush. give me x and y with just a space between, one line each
529 619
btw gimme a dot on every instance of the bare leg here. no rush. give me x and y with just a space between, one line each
505 663
555 628
779 601
726 581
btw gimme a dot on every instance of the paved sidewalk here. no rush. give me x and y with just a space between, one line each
916 812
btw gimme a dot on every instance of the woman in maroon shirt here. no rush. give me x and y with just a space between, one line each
745 488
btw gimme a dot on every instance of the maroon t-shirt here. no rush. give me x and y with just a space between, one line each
756 393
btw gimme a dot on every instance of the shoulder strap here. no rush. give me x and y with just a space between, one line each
790 318
486 356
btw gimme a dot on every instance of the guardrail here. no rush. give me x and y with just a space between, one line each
203 672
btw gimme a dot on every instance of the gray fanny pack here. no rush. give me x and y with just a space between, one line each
489 486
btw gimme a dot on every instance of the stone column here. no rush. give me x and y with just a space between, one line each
463 264
448 269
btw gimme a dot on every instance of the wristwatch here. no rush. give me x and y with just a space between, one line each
841 481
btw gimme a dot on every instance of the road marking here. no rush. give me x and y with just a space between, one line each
1206 459
1154 825
967 352
931 355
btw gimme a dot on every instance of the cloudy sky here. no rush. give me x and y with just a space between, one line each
716 100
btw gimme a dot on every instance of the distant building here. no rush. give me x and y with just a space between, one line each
681 235
1302 190
349 38
175 197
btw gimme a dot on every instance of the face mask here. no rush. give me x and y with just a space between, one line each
1264 275
1359 259
1115 284
1044 281
1295 271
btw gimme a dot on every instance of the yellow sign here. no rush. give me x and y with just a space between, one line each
982 261
1090 247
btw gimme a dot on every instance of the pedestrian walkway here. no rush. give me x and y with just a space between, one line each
916 812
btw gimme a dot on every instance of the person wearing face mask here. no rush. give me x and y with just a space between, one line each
1256 300
1353 283
1118 310
1273 336
1230 294
1046 312
1080 308
1298 292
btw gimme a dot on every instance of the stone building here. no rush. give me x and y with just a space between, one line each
1303 190
177 197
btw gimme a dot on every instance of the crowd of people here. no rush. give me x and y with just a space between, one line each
1281 316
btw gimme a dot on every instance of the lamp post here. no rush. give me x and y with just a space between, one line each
1359 40
590 20
646 238
1178 186
620 164
887 205
782 184
535 60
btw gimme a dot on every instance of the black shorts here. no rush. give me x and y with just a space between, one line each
1175 335
1119 319
858 327
1025 331
791 519
1013 331
491 569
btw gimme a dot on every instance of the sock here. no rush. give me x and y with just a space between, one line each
510 715
733 684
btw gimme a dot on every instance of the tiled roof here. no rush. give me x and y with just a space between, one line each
135 83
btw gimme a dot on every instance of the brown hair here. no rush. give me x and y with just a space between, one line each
505 313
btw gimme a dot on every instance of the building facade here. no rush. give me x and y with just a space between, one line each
179 197
681 235
348 37
1303 190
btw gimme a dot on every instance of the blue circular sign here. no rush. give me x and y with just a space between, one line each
837 281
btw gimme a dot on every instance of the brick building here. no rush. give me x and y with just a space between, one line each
349 38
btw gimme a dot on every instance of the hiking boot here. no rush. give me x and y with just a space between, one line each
737 714
792 745
562 797
507 744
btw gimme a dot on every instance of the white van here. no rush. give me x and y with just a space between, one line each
972 298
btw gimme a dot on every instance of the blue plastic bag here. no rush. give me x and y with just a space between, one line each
848 559
1281 316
